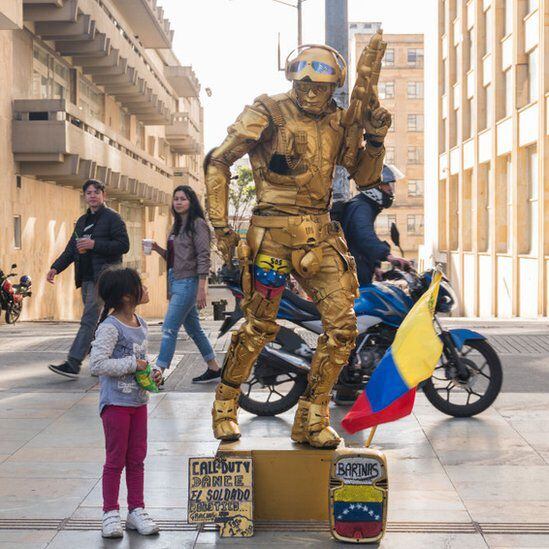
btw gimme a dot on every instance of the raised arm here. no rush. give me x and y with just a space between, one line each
366 122
242 136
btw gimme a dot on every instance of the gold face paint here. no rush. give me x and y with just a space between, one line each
313 97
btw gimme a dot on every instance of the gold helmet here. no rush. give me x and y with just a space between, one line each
316 63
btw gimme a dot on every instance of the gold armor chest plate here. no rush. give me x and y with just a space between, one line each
309 148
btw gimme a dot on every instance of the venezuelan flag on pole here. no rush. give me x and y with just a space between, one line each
391 391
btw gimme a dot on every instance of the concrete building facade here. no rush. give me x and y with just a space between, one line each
401 91
488 222
91 89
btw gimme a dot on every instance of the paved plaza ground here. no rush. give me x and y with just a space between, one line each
481 482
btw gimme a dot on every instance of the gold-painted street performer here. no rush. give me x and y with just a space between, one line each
294 141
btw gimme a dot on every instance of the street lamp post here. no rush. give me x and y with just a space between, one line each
299 17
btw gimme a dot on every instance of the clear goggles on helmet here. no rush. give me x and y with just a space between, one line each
318 67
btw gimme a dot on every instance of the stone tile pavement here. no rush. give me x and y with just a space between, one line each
480 482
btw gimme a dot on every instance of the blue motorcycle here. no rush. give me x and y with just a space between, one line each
466 381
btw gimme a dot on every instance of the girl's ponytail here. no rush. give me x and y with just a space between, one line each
104 313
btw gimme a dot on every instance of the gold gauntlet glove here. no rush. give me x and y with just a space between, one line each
227 240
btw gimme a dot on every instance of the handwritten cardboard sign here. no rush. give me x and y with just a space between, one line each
221 491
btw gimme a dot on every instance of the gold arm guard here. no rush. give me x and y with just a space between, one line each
242 136
367 172
217 193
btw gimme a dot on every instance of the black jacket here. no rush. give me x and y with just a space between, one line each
111 242
358 221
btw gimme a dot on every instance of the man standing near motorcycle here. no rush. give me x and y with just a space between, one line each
358 222
294 141
100 239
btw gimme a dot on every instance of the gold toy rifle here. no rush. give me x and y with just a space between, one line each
363 97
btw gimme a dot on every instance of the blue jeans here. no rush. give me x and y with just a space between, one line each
182 311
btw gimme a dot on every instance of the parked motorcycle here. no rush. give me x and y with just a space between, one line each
12 295
465 382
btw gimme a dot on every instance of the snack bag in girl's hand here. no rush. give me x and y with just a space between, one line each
145 381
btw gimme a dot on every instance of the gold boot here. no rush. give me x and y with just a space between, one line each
299 432
224 413
319 432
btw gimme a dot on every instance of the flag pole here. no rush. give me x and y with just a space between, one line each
371 436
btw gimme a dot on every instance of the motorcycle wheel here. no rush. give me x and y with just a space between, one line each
268 400
484 384
13 312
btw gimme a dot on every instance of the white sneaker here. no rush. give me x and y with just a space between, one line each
112 525
139 520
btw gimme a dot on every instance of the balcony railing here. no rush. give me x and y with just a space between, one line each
90 33
54 141
147 20
183 135
183 81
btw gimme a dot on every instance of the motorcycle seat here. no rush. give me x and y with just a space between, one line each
302 304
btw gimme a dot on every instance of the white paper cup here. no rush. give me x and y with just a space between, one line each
147 246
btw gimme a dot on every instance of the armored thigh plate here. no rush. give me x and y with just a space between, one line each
358 495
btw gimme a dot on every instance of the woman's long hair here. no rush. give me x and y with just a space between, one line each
194 212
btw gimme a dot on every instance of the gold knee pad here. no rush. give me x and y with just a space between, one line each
247 342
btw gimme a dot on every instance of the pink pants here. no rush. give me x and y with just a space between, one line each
126 445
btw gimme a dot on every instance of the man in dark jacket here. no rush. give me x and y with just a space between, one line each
100 239
358 223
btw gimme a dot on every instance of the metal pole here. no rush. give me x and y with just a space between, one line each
337 36
299 23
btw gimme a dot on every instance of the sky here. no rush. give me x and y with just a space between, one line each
232 45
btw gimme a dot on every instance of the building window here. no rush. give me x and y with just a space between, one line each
443 87
389 57
508 17
389 155
509 201
415 224
415 187
384 222
133 217
18 182
140 137
508 80
415 122
125 120
488 31
533 198
533 81
468 119
51 77
17 232
386 90
90 99
483 212
415 90
415 57
489 106
415 155
532 5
